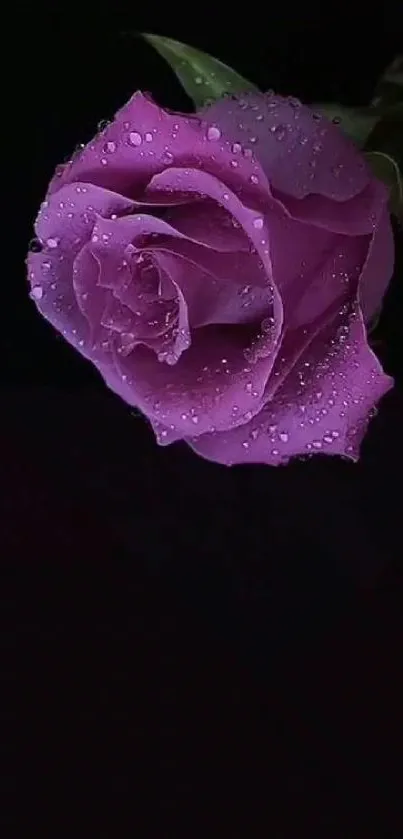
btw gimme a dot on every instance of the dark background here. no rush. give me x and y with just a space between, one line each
166 621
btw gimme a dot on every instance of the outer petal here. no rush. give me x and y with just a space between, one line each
378 269
316 173
323 406
212 385
315 270
64 225
144 139
301 153
355 217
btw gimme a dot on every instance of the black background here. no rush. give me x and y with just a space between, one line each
169 622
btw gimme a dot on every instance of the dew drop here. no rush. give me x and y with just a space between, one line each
275 452
255 433
258 223
213 133
245 444
283 437
317 444
135 138
109 147
236 148
254 179
328 439
336 170
280 132
37 292
52 243
148 137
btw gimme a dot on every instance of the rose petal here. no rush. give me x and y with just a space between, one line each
378 268
356 217
54 298
323 406
298 151
144 139
90 297
64 225
315 271
211 300
254 225
209 224
211 385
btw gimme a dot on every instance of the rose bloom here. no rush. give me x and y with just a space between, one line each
219 269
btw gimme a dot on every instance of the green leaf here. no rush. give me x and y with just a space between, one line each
387 170
357 123
203 77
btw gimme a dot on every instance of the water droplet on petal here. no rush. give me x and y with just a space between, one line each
37 292
283 437
52 243
317 444
109 147
135 138
148 137
254 179
280 132
258 223
236 148
213 133
245 444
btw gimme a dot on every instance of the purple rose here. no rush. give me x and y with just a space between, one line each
219 270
